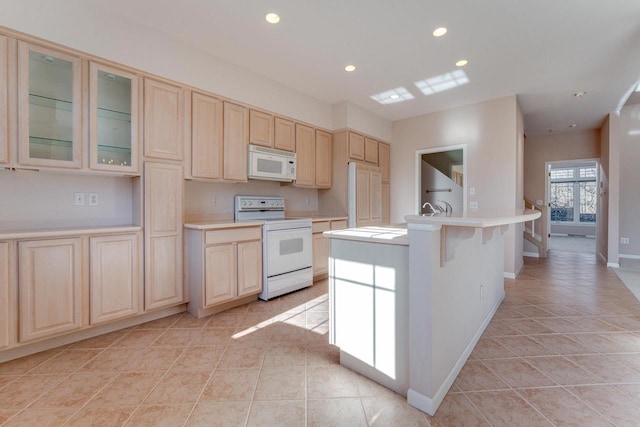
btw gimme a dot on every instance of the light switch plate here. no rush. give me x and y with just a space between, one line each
472 191
539 202
93 199
473 206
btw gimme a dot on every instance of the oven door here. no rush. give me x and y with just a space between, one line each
288 250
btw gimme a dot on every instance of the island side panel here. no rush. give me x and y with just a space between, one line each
461 289
368 293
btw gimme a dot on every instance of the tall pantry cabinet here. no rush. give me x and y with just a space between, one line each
164 129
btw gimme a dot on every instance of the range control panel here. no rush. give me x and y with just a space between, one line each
259 203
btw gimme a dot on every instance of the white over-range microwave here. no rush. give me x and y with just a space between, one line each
271 164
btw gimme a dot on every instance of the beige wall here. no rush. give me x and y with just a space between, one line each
629 180
77 24
489 130
613 225
349 115
602 243
538 150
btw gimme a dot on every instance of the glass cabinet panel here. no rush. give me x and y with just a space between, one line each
113 120
50 111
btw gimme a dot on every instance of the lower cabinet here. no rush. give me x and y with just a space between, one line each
115 277
6 332
50 287
321 245
223 265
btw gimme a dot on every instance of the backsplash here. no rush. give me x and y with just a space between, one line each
199 197
31 199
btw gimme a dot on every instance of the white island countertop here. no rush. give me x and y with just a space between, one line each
389 234
476 219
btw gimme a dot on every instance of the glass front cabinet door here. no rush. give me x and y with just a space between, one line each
113 119
50 107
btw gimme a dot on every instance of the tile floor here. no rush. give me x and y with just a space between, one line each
563 349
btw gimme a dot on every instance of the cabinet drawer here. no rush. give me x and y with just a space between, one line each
318 227
233 235
339 224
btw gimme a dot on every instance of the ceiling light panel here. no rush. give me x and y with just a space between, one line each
350 68
462 63
393 96
442 82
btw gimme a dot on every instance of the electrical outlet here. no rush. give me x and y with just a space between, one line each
93 199
213 200
624 240
78 199
473 206
472 191
539 202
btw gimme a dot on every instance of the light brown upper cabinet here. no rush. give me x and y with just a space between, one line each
113 119
284 134
384 158
356 146
163 120
371 150
261 128
4 106
206 137
323 162
236 138
49 107
386 202
305 156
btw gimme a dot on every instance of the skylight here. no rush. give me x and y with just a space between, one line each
442 82
392 96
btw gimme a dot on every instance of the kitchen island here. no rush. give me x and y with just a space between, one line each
409 302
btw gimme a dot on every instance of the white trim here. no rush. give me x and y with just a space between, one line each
531 254
508 275
628 256
430 405
613 264
418 172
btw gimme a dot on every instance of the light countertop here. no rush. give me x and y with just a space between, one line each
388 234
476 219
223 223
32 233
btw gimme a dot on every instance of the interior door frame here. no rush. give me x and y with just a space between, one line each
418 172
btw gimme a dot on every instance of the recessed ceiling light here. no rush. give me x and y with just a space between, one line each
573 125
350 68
439 32
579 94
462 63
272 18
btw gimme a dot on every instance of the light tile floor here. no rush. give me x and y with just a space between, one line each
563 349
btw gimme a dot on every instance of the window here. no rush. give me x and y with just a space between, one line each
573 194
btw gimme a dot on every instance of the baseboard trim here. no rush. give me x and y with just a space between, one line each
508 275
613 264
430 405
531 254
629 256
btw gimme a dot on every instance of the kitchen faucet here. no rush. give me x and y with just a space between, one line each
448 209
437 209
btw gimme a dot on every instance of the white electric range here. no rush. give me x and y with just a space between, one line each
287 244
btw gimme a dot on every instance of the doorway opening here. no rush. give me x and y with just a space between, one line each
572 197
441 175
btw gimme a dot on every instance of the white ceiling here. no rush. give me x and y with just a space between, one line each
541 50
